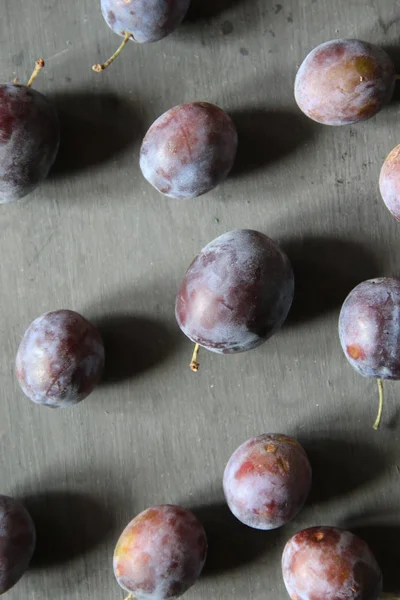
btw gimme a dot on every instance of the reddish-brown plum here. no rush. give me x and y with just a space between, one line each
145 20
161 553
369 325
344 81
389 182
267 480
29 139
236 293
60 359
189 150
17 542
325 563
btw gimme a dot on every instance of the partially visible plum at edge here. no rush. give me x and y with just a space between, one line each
17 542
389 182
369 326
325 563
29 140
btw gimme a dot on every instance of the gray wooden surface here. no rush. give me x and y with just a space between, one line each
98 239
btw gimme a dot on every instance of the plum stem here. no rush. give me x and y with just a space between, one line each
378 419
39 64
397 77
130 597
194 365
100 67
392 596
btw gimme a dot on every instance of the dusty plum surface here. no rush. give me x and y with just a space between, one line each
369 326
389 182
344 81
324 563
60 359
267 480
160 553
236 293
189 150
17 542
146 20
29 139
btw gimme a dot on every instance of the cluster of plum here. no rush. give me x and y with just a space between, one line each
235 294
162 551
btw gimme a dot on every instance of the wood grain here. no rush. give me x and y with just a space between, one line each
98 239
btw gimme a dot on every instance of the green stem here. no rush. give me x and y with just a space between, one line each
194 365
378 419
39 64
100 67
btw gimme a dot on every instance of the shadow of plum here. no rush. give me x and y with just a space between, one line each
340 466
95 127
68 525
134 344
381 532
265 136
231 544
326 270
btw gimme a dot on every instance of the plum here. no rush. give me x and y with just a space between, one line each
60 359
29 138
189 150
325 563
17 542
160 553
344 81
389 182
142 21
236 293
267 480
369 330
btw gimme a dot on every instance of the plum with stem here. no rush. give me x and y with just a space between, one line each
236 293
141 21
369 325
29 138
160 553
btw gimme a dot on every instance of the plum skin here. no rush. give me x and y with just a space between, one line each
29 140
17 542
60 359
146 20
189 150
344 81
368 328
161 553
267 480
236 293
389 182
325 563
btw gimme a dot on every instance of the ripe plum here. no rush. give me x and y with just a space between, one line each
325 563
60 359
189 150
344 81
267 480
160 553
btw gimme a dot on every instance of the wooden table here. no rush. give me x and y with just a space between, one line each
98 239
